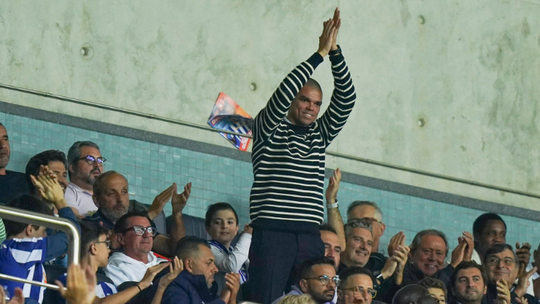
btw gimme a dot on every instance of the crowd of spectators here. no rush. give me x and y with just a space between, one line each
285 255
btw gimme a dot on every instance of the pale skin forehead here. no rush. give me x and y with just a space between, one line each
358 280
363 211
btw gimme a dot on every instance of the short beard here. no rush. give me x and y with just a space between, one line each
4 160
87 178
115 214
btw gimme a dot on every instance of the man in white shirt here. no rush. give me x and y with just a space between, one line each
85 165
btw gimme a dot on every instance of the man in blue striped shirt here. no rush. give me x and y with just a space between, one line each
289 146
27 247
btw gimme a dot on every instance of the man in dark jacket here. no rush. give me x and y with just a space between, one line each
195 284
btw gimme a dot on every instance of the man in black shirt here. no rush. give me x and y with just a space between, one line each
12 183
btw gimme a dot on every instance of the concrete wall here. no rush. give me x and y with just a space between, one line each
468 69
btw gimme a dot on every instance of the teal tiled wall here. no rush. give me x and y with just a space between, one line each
151 168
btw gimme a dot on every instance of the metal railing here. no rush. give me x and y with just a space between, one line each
207 128
34 218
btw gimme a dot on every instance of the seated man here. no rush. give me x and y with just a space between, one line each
359 242
332 246
85 165
371 212
488 229
196 284
318 279
468 283
55 160
27 246
136 238
356 286
12 183
429 249
95 252
501 265
112 197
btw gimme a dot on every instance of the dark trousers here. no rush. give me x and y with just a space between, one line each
274 257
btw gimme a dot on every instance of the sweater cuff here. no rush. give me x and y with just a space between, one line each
315 60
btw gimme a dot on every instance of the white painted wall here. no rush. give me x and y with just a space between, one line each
470 70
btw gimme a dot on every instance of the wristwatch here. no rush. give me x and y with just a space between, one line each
332 206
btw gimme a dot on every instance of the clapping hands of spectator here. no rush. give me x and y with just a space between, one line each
464 249
503 292
18 297
333 187
396 241
179 200
524 253
81 285
48 187
523 279
232 281
175 268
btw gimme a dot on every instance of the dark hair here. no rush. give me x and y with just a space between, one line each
188 247
74 153
306 268
314 84
214 208
481 222
327 227
99 183
353 205
466 265
43 159
413 293
90 233
429 282
418 238
357 223
28 203
498 248
121 224
348 272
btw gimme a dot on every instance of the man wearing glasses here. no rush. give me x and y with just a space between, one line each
318 279
85 165
136 238
356 286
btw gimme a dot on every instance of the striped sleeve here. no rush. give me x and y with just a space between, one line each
342 101
270 116
2 231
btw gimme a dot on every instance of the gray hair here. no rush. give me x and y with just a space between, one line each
74 152
418 238
357 223
353 205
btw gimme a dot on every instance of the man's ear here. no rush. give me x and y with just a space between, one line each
188 265
120 239
93 249
485 289
303 285
383 228
71 168
29 230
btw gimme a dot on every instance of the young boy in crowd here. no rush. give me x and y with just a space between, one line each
222 226
27 246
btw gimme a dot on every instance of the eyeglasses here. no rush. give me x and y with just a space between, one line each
106 242
494 261
325 280
360 290
92 160
372 219
140 230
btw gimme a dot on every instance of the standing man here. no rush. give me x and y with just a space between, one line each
289 145
85 165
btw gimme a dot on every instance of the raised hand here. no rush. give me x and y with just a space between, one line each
524 253
396 241
333 187
151 274
523 280
248 229
175 268
337 24
48 187
326 39
232 281
459 252
401 254
160 200
469 245
503 292
80 286
179 200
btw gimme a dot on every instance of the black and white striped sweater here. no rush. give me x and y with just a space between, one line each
289 160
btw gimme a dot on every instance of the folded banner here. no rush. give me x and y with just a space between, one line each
227 115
